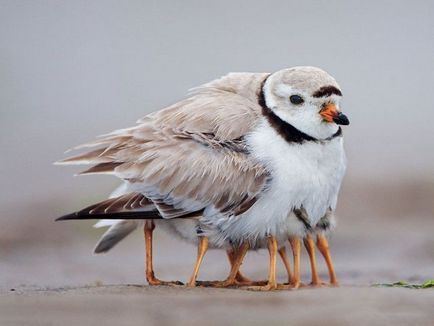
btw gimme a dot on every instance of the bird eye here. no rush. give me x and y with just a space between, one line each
296 99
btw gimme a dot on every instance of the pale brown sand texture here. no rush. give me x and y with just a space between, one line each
137 305
48 275
71 70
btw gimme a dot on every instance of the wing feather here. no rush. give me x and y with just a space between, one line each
192 154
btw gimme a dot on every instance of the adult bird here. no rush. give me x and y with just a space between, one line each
256 158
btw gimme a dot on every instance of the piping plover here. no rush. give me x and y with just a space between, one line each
254 157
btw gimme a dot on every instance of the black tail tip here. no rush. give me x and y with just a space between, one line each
66 217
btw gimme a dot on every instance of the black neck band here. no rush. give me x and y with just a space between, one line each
284 129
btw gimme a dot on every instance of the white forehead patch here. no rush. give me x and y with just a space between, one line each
283 90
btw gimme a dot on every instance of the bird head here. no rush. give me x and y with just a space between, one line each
308 98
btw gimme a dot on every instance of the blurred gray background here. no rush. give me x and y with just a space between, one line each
71 70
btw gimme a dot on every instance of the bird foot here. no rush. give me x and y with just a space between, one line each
290 286
230 283
223 284
267 287
242 279
157 282
317 284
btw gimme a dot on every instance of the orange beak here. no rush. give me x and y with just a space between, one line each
330 114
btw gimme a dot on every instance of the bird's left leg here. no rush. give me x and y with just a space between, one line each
272 283
323 247
201 251
150 277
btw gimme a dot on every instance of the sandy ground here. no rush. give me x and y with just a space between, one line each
133 305
70 70
48 275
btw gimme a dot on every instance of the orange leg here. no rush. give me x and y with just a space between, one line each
240 278
296 249
201 250
309 243
150 277
272 283
235 256
238 257
323 247
285 260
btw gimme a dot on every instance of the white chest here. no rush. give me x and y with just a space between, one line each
307 174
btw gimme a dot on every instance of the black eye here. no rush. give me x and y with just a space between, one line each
296 99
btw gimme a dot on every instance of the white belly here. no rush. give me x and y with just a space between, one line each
304 175
185 229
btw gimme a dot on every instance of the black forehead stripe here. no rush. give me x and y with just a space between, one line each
327 91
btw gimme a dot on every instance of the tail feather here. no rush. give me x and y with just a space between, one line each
114 235
102 168
151 215
130 206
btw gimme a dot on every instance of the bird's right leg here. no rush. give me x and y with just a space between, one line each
296 250
272 283
232 256
150 277
323 247
285 260
201 251
236 257
239 255
309 243
240 279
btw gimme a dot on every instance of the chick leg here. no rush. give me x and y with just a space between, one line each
238 257
201 251
296 248
272 283
309 243
286 263
240 278
323 247
150 277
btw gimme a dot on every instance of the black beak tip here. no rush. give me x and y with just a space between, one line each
341 119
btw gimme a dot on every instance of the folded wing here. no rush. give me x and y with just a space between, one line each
192 155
